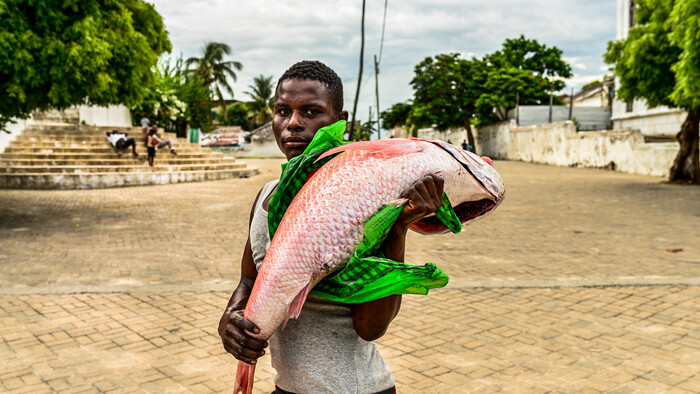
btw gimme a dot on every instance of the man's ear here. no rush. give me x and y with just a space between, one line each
343 115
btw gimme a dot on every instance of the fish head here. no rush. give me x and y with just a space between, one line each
480 189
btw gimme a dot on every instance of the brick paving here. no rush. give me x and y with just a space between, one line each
575 284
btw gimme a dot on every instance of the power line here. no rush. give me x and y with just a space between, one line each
381 43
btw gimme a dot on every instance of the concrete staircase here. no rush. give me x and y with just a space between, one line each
70 156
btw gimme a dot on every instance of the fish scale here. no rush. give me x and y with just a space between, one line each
324 223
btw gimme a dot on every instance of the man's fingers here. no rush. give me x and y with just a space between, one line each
440 184
244 323
246 341
423 190
238 355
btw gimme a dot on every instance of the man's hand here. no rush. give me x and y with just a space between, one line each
232 330
424 198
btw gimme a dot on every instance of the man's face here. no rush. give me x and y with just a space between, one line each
301 108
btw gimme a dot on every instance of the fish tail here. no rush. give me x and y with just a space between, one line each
244 378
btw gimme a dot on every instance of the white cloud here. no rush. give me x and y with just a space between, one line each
269 36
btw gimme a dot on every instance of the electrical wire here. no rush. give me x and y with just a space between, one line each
381 42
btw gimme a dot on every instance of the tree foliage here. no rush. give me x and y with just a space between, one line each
214 70
396 115
523 72
176 99
449 86
451 91
261 92
659 62
54 54
238 114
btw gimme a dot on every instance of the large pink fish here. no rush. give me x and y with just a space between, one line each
324 223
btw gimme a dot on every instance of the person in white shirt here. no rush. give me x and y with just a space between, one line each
120 142
145 125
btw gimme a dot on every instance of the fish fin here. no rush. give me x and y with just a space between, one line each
393 147
298 302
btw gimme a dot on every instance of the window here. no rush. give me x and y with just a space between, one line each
633 6
630 106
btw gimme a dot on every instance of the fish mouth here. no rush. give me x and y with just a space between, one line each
466 212
484 173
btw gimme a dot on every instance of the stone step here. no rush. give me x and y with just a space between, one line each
61 138
77 130
123 168
104 149
115 179
63 156
106 156
116 161
70 115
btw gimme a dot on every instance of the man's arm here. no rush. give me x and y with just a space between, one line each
371 319
233 326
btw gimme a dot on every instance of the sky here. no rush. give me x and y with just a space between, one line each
269 36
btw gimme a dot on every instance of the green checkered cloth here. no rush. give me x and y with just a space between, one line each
368 275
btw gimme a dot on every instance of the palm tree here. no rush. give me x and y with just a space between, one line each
262 91
214 70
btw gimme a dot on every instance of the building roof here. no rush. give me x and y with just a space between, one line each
227 130
262 133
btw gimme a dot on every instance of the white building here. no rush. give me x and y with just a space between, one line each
636 115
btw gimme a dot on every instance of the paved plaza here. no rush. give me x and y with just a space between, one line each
582 281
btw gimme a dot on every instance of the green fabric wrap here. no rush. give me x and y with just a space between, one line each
368 275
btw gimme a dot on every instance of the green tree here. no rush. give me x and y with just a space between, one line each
659 62
54 54
446 91
361 131
396 115
176 99
523 72
262 91
214 70
238 114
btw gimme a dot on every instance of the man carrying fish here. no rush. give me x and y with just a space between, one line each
342 201
329 348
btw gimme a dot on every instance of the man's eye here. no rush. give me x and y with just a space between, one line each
283 112
312 112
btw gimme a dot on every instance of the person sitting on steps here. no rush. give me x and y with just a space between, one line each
162 143
120 142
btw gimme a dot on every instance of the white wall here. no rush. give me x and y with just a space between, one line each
560 144
656 121
15 129
494 140
589 118
622 150
114 115
455 136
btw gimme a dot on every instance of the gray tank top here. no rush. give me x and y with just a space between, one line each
319 352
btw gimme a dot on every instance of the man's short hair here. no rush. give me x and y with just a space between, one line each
313 70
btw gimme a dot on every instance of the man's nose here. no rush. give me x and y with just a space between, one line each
295 122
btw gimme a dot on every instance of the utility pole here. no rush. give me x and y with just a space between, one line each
571 104
369 122
359 78
376 93
551 98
